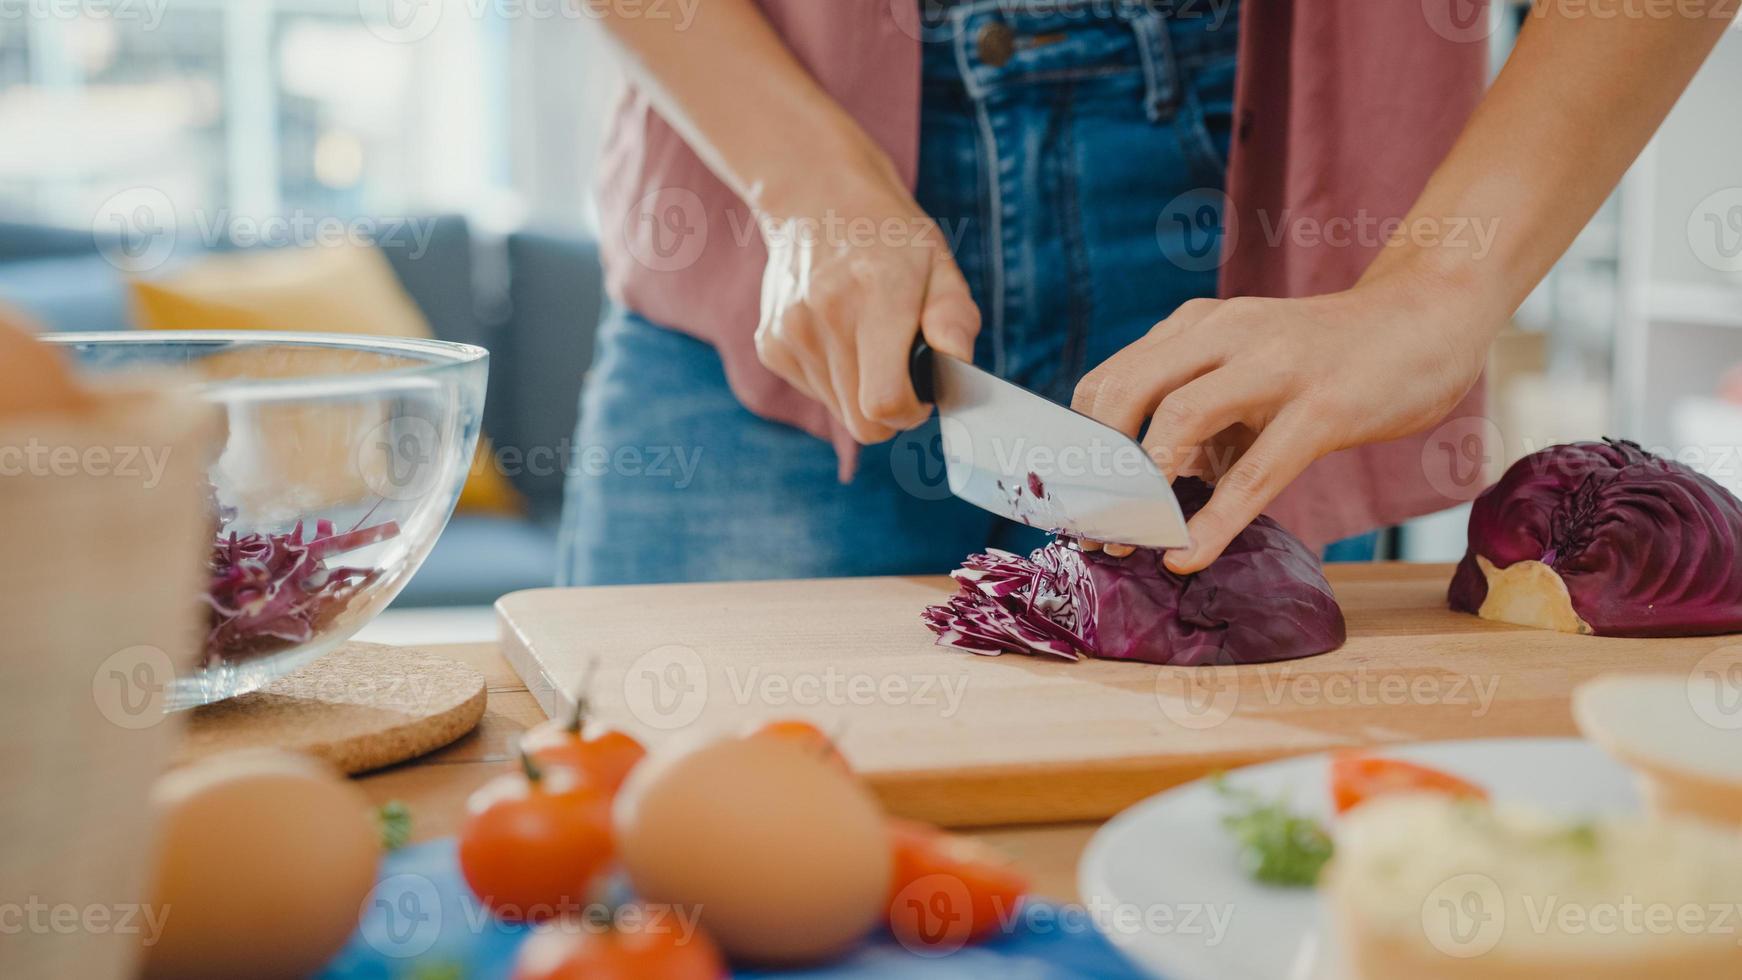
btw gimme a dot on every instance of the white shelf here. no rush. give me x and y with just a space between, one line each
1696 304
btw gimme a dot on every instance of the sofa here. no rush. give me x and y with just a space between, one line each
532 298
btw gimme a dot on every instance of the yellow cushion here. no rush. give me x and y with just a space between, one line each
347 289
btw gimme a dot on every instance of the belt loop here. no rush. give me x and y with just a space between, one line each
1160 68
966 21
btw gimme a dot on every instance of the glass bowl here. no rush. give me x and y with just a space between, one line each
342 460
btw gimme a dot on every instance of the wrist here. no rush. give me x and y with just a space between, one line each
1462 284
1446 302
811 184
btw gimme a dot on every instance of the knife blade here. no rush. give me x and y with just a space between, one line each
1009 451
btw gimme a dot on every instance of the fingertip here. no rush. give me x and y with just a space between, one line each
957 342
1183 562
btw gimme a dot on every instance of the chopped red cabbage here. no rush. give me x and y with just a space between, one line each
1265 599
270 591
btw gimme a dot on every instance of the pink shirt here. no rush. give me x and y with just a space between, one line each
1344 109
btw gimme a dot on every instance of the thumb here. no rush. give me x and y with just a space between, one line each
950 320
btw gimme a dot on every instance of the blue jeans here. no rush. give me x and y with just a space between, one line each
1074 159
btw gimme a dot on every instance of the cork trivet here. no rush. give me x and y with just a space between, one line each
361 707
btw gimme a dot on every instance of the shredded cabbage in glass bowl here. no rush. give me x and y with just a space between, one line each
341 462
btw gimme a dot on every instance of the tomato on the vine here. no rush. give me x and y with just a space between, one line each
653 953
1357 778
535 844
803 733
947 890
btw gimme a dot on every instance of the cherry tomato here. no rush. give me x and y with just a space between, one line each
947 891
601 755
804 733
1357 778
661 951
534 845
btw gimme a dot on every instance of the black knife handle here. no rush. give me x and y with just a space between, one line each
920 369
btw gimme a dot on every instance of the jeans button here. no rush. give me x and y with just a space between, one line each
996 43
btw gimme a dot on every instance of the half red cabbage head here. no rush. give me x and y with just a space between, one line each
1605 538
1265 599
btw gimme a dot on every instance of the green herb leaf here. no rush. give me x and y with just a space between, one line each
1277 845
393 819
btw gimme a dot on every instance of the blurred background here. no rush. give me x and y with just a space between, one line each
140 139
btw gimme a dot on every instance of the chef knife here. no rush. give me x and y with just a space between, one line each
1010 451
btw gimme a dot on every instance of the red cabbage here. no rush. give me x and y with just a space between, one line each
1605 538
1265 599
269 592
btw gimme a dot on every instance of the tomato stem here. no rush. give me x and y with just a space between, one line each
533 773
578 719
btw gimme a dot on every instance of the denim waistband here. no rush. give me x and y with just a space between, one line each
990 45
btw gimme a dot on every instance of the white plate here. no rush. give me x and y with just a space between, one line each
1163 879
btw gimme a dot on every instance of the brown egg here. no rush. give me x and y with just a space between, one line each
784 854
263 860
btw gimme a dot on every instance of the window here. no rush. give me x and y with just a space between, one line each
247 109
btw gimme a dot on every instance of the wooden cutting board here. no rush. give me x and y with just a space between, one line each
975 741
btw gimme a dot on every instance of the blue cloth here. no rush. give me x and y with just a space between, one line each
1079 182
421 923
1362 547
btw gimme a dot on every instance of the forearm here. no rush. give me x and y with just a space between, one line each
739 98
1578 99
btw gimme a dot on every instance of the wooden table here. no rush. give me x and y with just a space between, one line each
435 787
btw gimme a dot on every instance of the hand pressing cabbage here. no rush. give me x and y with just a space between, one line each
1605 538
1265 599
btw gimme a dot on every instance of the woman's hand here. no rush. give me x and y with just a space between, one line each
1248 392
847 287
